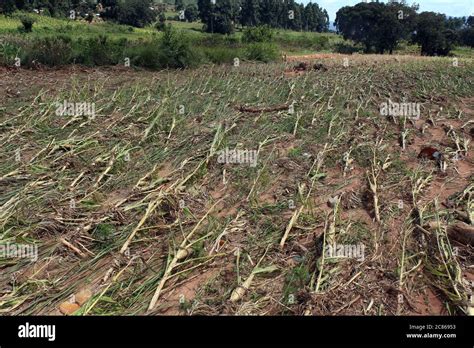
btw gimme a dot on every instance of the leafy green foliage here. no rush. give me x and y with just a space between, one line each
262 51
218 18
27 24
378 26
50 51
191 13
467 37
432 34
135 12
258 34
274 13
7 6
175 50
100 51
250 13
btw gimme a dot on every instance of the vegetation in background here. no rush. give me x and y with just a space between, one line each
377 26
175 50
258 34
262 52
191 13
380 27
136 13
93 41
220 18
433 35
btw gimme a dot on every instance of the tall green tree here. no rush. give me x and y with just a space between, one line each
467 37
433 35
223 17
269 10
378 26
205 8
250 12
218 17
136 13
467 33
191 13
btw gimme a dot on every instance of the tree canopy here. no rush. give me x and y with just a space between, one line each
433 34
377 26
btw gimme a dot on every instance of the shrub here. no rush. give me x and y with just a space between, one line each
220 55
27 24
7 7
46 12
320 43
99 51
8 52
262 51
50 51
191 13
258 34
145 55
90 17
175 51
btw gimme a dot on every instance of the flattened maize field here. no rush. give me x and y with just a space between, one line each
256 189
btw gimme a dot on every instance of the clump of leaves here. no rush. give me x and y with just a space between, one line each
27 24
103 232
296 280
175 50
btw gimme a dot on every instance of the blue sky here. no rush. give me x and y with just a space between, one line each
457 8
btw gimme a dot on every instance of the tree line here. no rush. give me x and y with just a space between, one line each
136 13
221 16
55 8
379 27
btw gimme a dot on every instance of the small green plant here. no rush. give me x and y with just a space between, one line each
295 280
103 232
295 152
